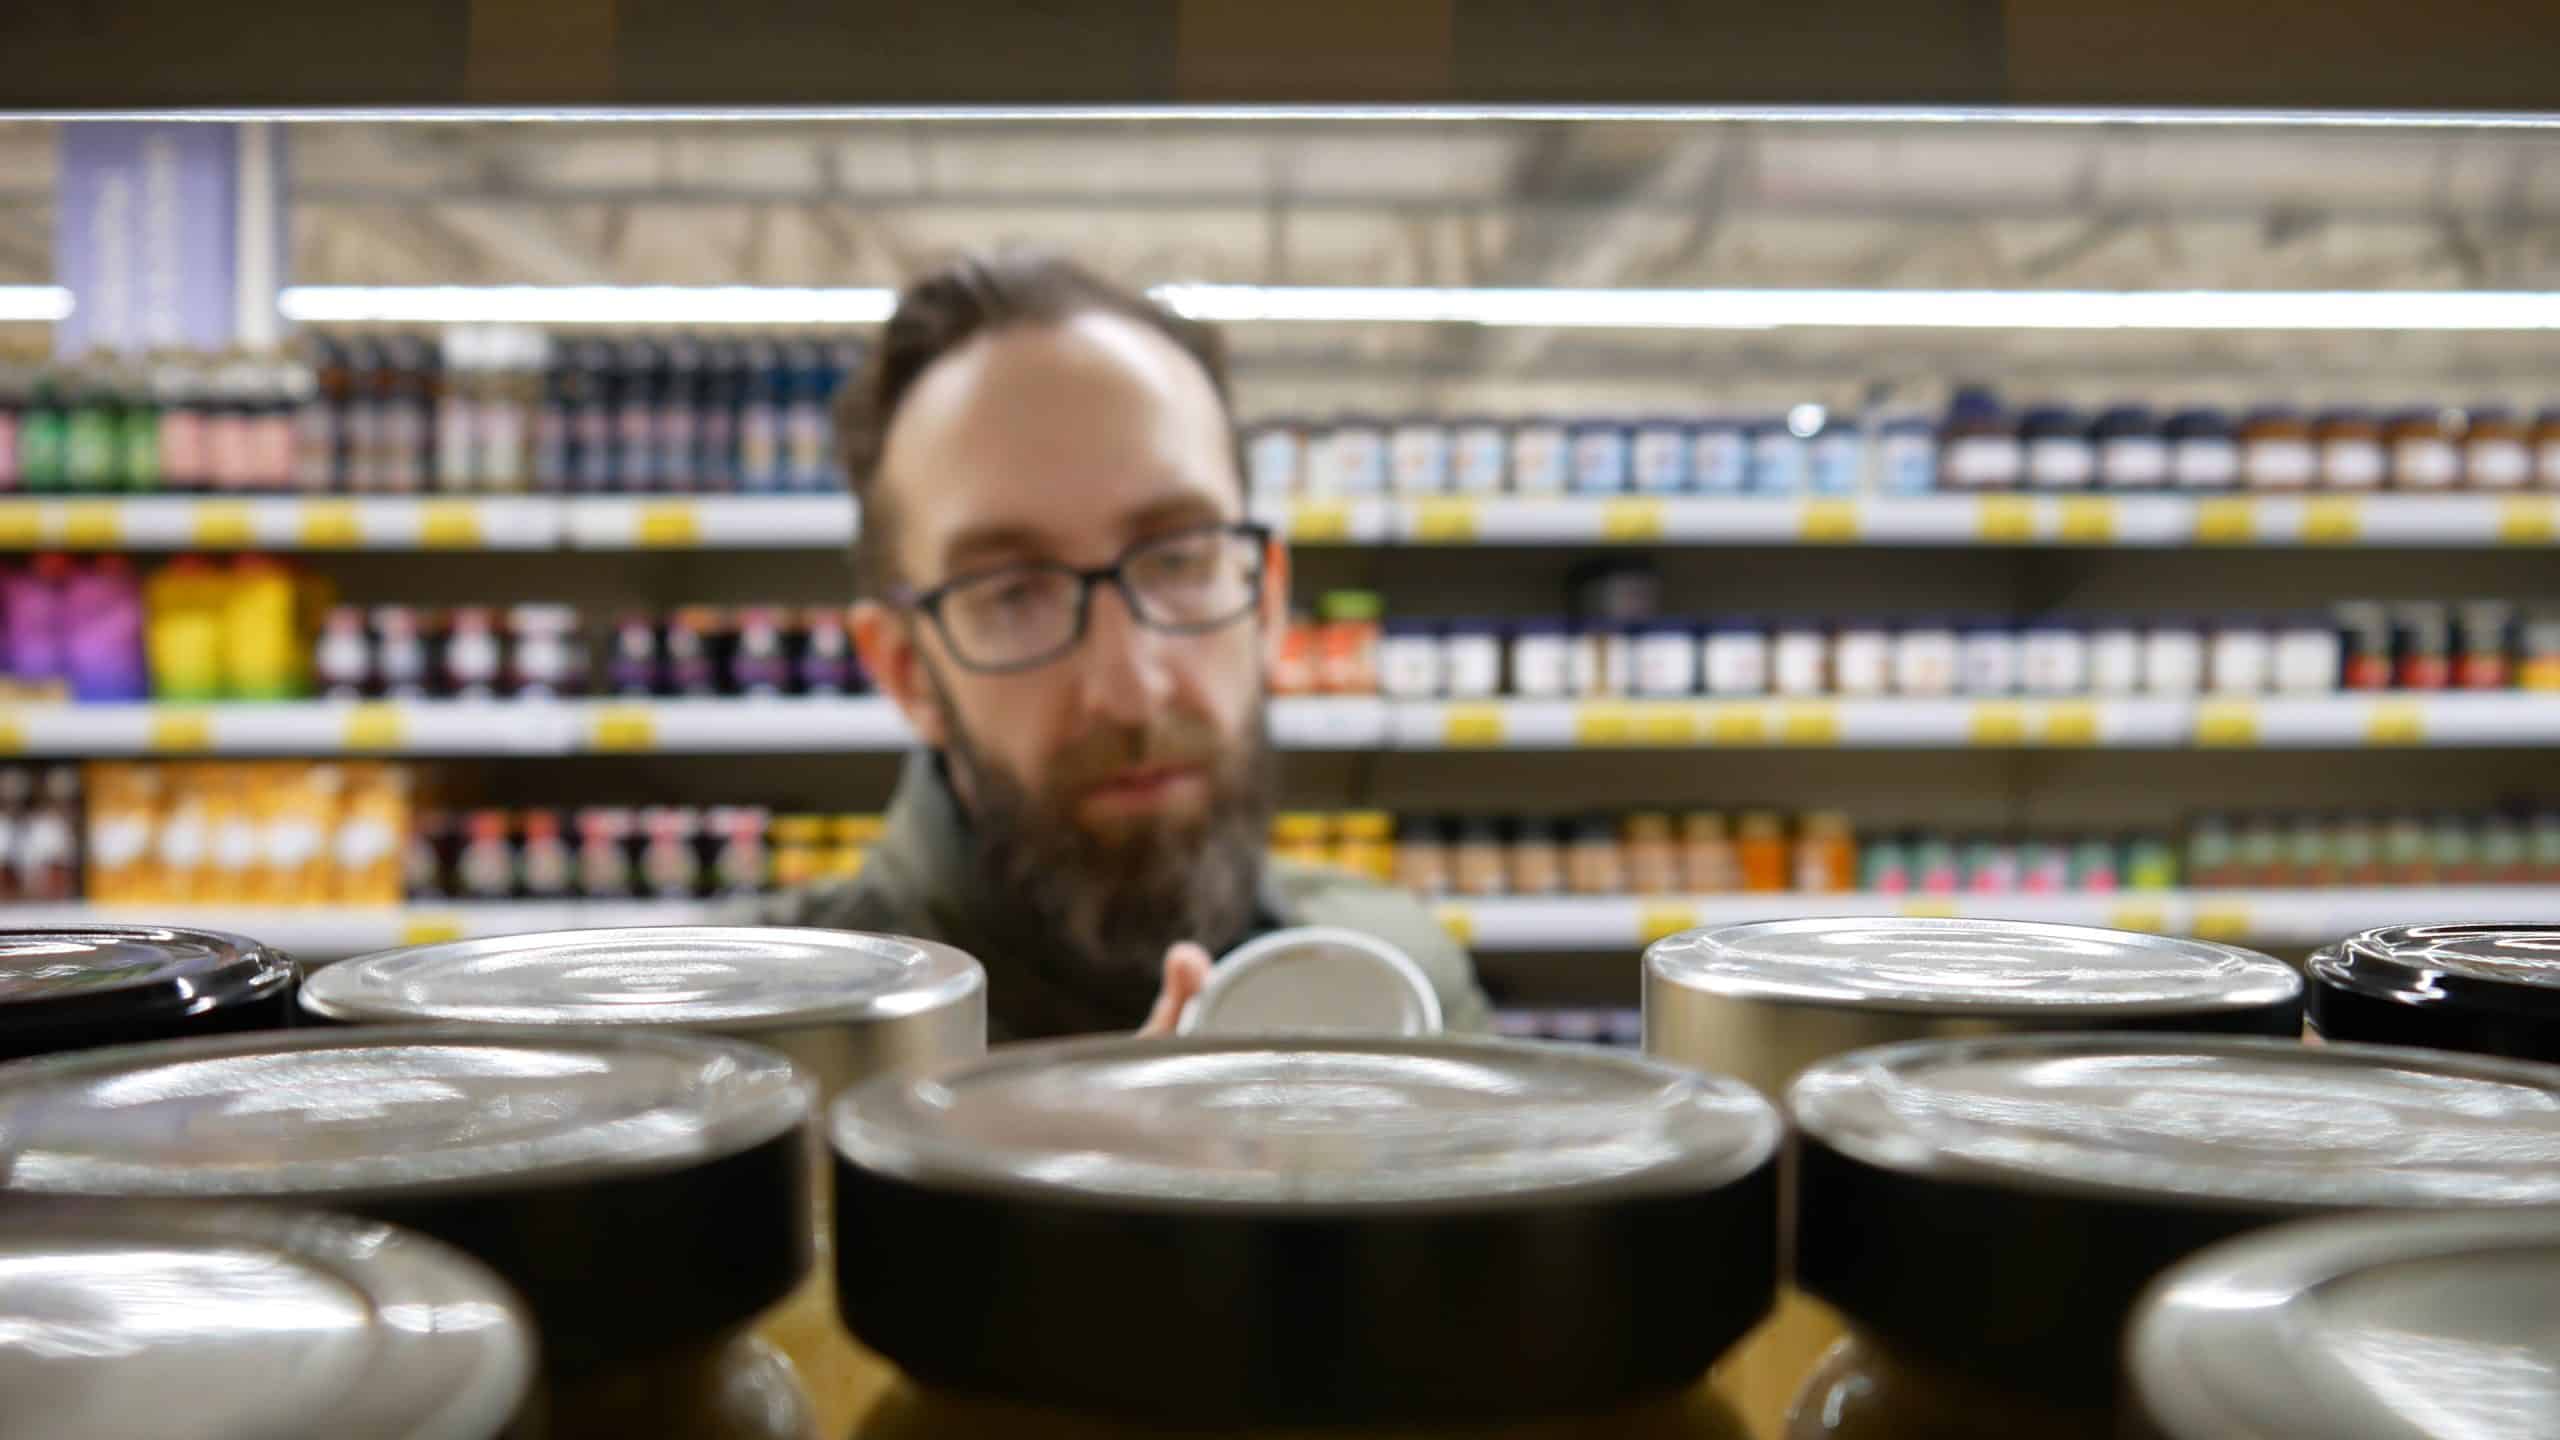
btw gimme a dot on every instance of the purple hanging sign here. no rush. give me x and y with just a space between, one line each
147 235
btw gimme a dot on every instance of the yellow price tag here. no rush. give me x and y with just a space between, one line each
375 726
2226 723
430 929
1632 521
1929 909
1667 723
2088 520
330 525
670 524
2332 520
13 736
2070 723
2525 520
1828 522
1809 725
2005 520
2149 918
223 525
1320 522
1459 922
1737 725
2396 722
449 525
1472 726
2230 521
2221 922
1999 722
21 525
92 525
1444 522
625 727
1656 921
1602 725
186 731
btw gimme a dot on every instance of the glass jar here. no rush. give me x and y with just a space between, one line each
1760 853
1667 658
1781 463
1354 456
1602 659
1272 454
1471 659
2422 639
1347 641
1536 859
74 987
2307 656
2486 989
1767 1000
1541 660
1599 457
2204 451
297 1327
1658 458
1800 658
1925 658
2101 1161
2275 450
2296 1364
2546 449
1424 858
2053 658
1245 1158
2422 450
1596 865
2350 445
1908 455
2059 455
2242 656
2173 658
679 1163
2484 632
1736 659
1411 663
2115 657
2364 645
1418 457
1719 458
2494 453
2538 652
1980 449
2133 454
1838 462
1987 658
1540 458
1653 855
1862 658
1479 864
1479 457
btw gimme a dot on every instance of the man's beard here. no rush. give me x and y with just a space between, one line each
1113 903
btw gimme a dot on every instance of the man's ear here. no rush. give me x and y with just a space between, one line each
1275 601
889 642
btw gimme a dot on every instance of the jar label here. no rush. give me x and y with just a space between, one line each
2279 464
1600 461
1537 460
1421 460
1358 461
1478 467
1839 464
1983 461
1272 461
2134 461
2351 464
2424 464
1661 460
1718 462
1778 463
2062 463
1910 464
2210 464
2500 464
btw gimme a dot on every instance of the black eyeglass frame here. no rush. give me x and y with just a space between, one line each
929 601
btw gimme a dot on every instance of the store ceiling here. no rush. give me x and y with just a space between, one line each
1564 204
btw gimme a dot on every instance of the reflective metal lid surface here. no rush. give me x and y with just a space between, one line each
1973 967
389 1110
82 973
2520 961
735 978
2265 1122
216 1323
2429 1327
1317 1121
1315 979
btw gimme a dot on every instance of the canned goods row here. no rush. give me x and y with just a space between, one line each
280 833
1802 452
604 852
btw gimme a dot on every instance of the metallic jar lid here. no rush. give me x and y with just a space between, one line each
639 1189
77 986
1324 1229
1315 979
2488 989
843 1004
1996 1205
1765 1000
2434 1327
198 1322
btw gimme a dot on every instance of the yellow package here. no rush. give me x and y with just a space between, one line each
181 840
372 833
235 866
123 814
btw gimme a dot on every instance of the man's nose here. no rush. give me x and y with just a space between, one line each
1121 663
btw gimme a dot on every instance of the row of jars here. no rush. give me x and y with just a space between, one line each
579 1189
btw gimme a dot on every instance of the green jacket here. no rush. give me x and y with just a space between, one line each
921 880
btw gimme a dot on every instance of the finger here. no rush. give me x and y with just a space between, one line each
1186 970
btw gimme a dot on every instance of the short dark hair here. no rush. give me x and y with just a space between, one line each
947 308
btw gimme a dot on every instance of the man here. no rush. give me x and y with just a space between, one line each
1061 592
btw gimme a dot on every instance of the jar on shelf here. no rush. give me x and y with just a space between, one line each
2422 638
1987 657
1596 863
1347 644
1541 659
75 987
1541 458
1293 669
1838 459
1272 455
2495 455
2275 450
1471 659
2423 456
1261 1154
1979 445
1603 660
1536 859
679 1163
1863 658
1411 660
2102 1161
2308 658
2133 453
2241 657
1708 865
1355 457
2053 657
1736 656
2059 455
1479 457
2366 658
1479 862
1826 859
1423 857
1884 866
2538 652
1658 457
1652 853
2350 449
1767 1000
1907 458
1760 853
2204 451
1365 844
1925 658
2173 658
1799 657
1418 456
1667 658
1719 458
2484 641
1781 462
2546 449
2485 989
1599 457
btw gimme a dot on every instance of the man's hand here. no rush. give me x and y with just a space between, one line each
1186 970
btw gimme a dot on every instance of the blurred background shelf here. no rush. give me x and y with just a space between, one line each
458 523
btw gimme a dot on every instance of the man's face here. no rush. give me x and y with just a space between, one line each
1067 444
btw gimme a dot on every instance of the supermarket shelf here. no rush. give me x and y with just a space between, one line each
2273 917
334 933
2156 521
191 522
432 727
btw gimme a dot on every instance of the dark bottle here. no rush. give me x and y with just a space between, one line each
549 869
806 463
399 653
822 654
692 649
679 416
486 868
761 458
473 663
715 433
426 862
758 663
595 391
642 367
43 436
555 448
635 666
342 658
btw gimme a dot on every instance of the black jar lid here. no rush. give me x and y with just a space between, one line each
2488 989
1222 1231
1995 1206
76 986
213 1322
639 1189
2386 1327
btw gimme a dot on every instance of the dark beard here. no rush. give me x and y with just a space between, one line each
1109 906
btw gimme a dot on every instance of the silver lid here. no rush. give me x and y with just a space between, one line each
1309 1122
2491 954
1315 979
403 1111
2196 1117
218 1323
1985 968
730 978
2433 1327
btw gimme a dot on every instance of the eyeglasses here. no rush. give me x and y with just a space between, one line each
1021 616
